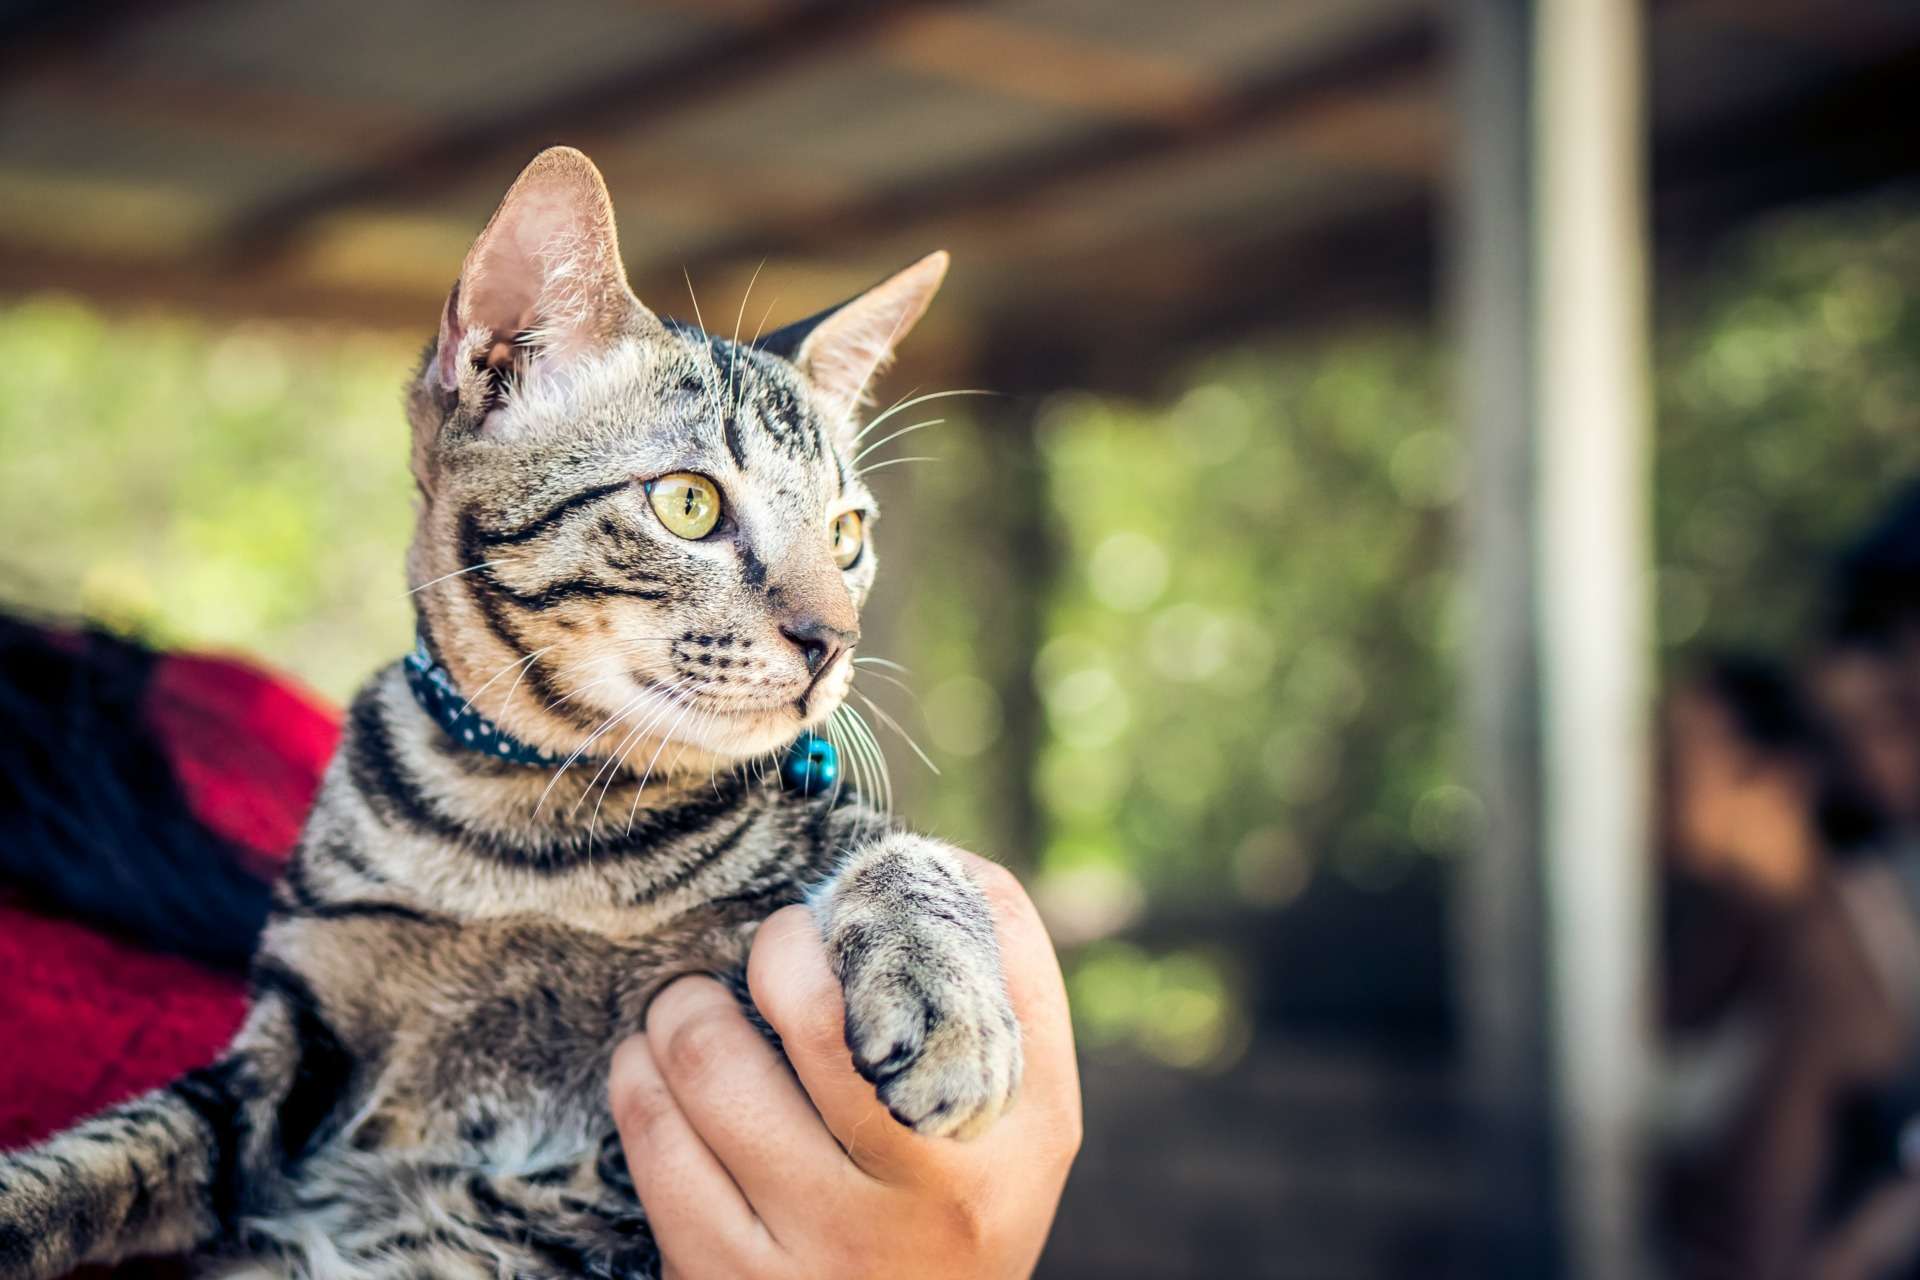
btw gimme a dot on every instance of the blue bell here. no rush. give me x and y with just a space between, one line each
811 765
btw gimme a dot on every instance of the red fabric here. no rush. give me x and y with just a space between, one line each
87 1020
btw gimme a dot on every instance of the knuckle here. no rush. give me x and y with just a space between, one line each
964 1226
697 1043
637 1101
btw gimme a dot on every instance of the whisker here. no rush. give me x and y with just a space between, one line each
870 747
897 683
883 440
579 750
641 790
733 363
856 763
882 662
472 568
713 399
894 725
617 762
517 662
764 317
908 404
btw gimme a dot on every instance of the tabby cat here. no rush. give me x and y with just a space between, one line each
639 562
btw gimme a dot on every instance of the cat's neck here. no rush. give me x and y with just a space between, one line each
477 836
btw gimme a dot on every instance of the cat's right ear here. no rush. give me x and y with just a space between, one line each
541 287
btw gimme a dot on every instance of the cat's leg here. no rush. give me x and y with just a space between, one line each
165 1173
910 936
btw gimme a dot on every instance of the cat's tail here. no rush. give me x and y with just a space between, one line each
93 820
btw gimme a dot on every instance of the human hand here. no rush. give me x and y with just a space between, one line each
747 1172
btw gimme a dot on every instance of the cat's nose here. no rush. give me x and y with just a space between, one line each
819 642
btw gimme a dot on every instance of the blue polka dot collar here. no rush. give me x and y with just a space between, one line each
433 689
810 766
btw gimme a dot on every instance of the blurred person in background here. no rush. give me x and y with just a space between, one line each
1865 679
1786 1031
1793 940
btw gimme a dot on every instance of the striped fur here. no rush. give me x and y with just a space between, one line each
459 943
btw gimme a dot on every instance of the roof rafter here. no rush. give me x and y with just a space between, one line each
646 91
1002 186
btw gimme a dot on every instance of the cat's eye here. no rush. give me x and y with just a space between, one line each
688 504
849 536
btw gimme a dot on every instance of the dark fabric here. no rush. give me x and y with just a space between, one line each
145 802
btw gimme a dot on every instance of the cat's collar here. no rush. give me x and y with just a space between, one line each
434 690
810 766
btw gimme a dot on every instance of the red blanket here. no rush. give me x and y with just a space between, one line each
87 1020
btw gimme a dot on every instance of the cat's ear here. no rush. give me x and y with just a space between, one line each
841 350
542 285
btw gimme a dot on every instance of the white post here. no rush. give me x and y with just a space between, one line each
1593 545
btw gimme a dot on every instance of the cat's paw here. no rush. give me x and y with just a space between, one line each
928 1020
938 1042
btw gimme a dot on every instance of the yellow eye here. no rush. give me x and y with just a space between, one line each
849 535
689 505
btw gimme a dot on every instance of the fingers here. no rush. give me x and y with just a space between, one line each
700 1219
740 1098
795 989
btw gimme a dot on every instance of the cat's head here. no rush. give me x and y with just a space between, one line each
634 536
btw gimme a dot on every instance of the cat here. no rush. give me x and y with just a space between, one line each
640 558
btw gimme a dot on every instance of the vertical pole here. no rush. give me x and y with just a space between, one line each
1499 904
1593 549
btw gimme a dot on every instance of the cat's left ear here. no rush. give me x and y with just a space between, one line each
842 350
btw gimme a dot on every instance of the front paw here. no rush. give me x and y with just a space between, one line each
937 1038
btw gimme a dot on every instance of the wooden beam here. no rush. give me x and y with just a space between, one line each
1004 186
127 281
263 115
46 32
648 91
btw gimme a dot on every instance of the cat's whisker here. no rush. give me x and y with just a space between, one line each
472 568
895 725
887 439
908 404
764 317
870 747
611 769
665 738
521 662
864 661
856 765
897 683
893 462
616 763
734 392
711 384
566 764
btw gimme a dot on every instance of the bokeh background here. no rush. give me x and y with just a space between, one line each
1180 607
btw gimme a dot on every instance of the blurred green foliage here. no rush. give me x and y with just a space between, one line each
242 488
1789 411
1245 596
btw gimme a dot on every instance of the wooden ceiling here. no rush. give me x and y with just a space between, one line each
1118 179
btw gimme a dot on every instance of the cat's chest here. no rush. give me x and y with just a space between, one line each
454 1033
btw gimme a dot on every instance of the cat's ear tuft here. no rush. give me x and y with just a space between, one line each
842 351
543 284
